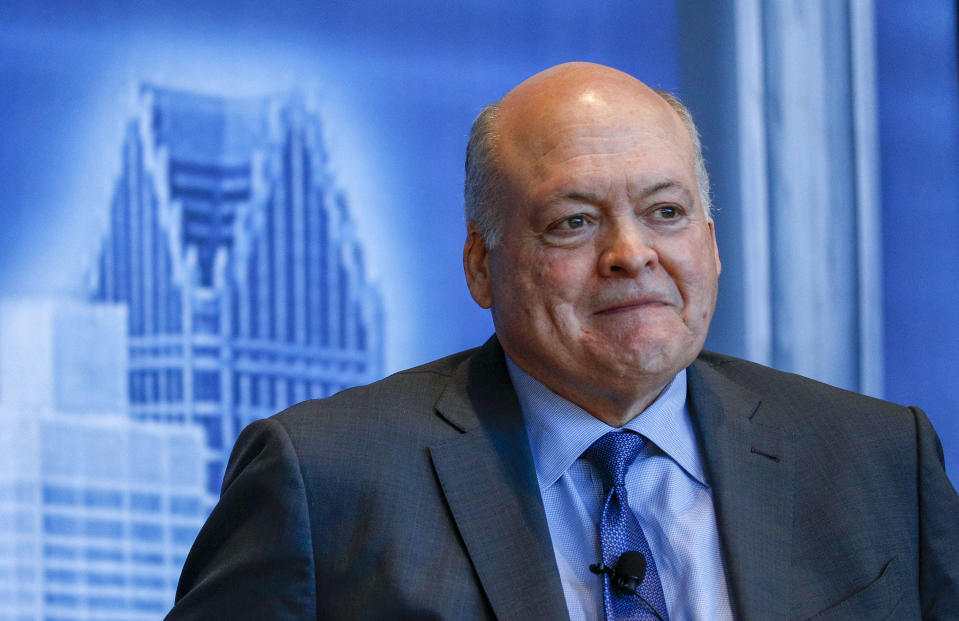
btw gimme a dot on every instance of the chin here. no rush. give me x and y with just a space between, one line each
653 358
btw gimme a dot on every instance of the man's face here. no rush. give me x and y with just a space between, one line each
605 275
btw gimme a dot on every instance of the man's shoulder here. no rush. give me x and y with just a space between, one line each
361 433
417 384
405 398
804 400
757 377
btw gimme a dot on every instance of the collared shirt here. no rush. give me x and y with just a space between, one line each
667 492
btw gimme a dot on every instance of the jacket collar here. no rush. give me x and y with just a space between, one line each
489 481
749 461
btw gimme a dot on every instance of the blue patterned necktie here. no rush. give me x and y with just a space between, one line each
619 531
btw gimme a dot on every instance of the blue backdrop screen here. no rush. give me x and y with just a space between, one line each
211 211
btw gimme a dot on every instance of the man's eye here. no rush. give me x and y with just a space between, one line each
572 222
668 212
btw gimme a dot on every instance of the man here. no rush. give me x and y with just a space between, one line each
508 481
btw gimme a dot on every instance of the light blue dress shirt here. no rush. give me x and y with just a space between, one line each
667 491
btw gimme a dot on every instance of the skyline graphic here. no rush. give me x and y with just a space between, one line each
229 285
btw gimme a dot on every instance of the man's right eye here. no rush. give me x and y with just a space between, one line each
572 222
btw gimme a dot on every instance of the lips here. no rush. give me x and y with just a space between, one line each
630 304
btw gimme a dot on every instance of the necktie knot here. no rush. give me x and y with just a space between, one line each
613 453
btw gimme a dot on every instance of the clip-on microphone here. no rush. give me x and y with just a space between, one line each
627 574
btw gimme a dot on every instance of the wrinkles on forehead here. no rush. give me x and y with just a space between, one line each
562 143
579 158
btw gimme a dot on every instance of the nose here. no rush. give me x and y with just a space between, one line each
626 251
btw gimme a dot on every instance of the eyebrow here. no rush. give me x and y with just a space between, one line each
584 197
589 197
666 184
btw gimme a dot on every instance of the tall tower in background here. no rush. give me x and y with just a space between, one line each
234 253
229 285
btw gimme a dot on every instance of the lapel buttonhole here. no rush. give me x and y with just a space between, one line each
762 453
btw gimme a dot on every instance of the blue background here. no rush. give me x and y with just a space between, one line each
396 86
919 150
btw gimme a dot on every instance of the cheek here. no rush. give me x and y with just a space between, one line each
564 272
695 273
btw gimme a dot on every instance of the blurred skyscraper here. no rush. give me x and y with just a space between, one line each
97 512
235 255
229 285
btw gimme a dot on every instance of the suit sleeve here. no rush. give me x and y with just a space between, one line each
938 528
253 558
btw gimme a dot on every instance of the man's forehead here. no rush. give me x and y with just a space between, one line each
571 150
608 123
564 142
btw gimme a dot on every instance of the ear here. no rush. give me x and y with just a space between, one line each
476 266
712 235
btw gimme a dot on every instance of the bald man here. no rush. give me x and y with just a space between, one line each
510 481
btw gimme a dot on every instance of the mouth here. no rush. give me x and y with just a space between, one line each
626 306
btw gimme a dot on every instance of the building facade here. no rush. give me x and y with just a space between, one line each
235 254
97 512
229 285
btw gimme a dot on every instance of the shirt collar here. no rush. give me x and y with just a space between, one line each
560 431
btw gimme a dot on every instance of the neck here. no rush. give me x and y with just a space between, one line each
614 409
615 404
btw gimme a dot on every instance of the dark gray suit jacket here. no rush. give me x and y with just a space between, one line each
415 497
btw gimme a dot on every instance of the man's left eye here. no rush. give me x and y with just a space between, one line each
668 212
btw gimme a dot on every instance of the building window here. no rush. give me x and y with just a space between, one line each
60 576
184 535
105 579
150 605
182 505
61 599
101 498
60 525
114 555
60 552
254 390
103 528
147 582
147 532
174 383
106 603
137 393
205 323
206 385
56 495
147 558
147 503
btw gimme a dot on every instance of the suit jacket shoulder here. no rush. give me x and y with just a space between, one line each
831 504
406 498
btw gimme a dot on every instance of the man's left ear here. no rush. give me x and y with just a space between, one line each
476 266
712 235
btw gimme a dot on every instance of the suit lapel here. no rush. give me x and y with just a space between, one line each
489 481
751 470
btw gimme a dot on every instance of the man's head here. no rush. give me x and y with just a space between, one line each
588 235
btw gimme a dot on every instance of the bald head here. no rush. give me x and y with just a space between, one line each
533 114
